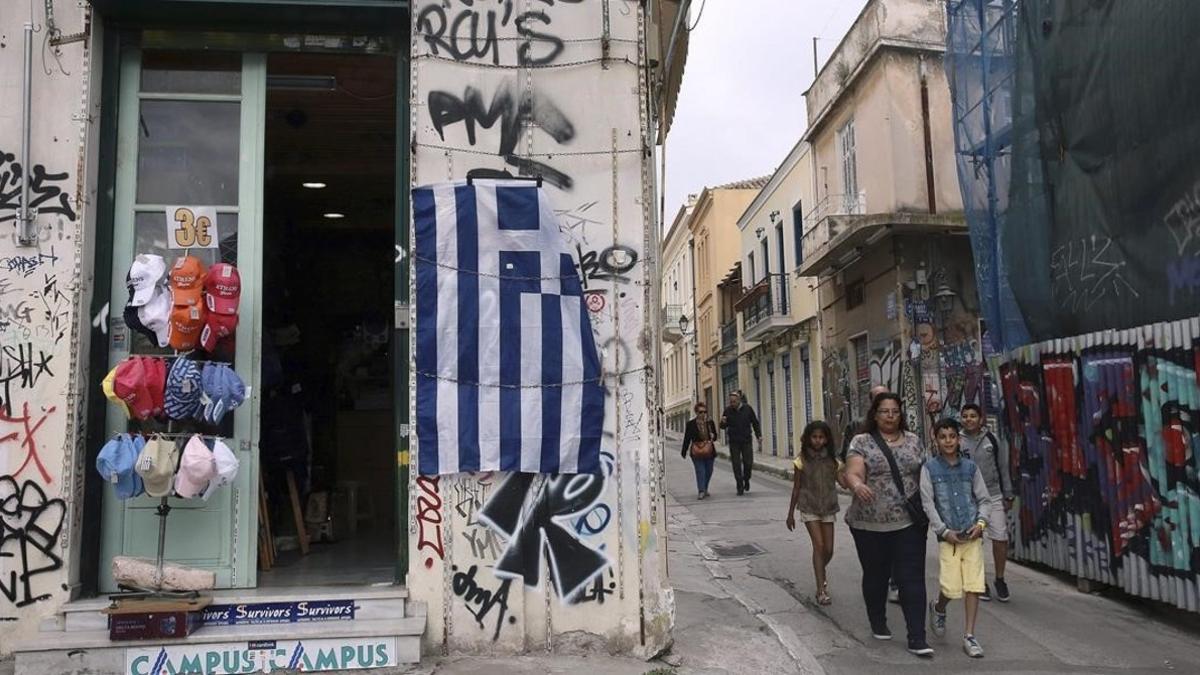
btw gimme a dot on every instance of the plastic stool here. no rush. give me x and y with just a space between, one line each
356 510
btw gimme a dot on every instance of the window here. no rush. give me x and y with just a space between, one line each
757 388
856 293
766 257
729 378
786 362
849 166
806 366
862 371
783 280
798 231
774 415
750 266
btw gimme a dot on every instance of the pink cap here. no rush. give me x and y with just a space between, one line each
196 468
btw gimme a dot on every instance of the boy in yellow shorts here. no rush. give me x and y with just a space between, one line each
954 495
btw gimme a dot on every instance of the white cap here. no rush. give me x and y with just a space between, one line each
144 276
227 468
156 314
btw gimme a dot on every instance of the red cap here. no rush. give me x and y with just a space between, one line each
222 289
216 328
187 280
156 381
130 385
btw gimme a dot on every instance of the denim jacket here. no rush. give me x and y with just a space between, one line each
954 496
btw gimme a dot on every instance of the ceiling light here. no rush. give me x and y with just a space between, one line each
313 185
334 215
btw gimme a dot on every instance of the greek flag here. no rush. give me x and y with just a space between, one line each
507 370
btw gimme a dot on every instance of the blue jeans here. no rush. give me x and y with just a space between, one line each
704 472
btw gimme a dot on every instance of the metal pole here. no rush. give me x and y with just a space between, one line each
815 70
25 214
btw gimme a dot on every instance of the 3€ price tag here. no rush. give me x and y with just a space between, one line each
192 227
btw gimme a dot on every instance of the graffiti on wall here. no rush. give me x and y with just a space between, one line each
535 516
1105 464
513 111
429 520
30 524
46 190
464 30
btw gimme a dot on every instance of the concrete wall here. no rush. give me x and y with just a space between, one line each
42 330
580 117
933 359
885 104
915 23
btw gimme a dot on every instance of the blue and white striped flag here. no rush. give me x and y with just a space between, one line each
508 374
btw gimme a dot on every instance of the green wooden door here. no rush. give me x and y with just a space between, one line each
190 133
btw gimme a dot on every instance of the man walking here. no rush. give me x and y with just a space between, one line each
739 421
991 456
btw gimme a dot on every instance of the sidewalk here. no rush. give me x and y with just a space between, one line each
780 467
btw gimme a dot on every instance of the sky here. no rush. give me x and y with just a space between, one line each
741 106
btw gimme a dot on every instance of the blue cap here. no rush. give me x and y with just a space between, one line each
223 391
115 464
182 397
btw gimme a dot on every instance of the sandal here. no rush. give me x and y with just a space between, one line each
823 598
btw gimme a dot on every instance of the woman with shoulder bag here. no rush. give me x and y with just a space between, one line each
699 439
883 468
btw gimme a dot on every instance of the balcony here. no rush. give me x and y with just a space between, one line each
842 229
672 332
764 308
729 336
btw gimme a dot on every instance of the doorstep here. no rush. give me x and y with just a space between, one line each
76 639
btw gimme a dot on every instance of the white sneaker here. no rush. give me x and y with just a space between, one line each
971 647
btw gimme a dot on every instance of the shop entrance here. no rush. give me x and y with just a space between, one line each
326 433
292 155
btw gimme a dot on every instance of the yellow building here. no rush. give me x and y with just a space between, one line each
715 247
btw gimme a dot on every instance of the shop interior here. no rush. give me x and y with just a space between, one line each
326 435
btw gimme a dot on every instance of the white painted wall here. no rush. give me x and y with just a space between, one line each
42 330
586 124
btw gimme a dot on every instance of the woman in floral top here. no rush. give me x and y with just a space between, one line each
888 541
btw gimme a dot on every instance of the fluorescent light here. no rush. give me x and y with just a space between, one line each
313 185
302 82
335 215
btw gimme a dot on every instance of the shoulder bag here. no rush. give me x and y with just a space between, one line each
704 449
912 504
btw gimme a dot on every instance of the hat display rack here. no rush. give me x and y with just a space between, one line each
139 283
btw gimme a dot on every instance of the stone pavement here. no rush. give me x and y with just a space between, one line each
1048 627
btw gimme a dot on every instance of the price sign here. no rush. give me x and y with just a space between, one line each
192 227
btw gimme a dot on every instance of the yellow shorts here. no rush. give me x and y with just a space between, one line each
960 568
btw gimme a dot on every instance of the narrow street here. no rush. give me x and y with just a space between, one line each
1048 627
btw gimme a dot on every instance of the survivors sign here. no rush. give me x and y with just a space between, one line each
278 612
262 657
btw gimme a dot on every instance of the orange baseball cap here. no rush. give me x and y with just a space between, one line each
186 324
187 281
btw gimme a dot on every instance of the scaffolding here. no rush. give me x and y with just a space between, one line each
981 67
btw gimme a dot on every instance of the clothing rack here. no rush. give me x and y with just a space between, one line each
162 511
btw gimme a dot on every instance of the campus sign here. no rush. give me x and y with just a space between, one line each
262 657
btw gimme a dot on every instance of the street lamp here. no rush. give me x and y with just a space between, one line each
684 324
944 297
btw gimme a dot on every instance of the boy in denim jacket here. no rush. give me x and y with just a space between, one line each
954 495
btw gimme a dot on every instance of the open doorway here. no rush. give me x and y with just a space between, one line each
326 435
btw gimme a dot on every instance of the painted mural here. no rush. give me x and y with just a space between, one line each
1105 430
527 561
